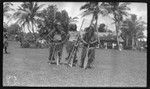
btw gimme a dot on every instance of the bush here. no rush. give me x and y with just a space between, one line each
25 44
127 48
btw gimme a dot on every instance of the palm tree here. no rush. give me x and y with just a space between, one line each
27 15
118 10
47 17
95 9
134 29
7 8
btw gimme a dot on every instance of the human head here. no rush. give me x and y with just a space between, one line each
89 29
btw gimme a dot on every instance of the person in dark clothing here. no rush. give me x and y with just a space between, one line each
5 43
89 38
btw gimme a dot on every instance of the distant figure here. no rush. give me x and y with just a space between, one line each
5 42
120 47
105 45
113 45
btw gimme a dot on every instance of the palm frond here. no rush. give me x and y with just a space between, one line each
87 12
7 15
123 7
40 6
75 18
86 6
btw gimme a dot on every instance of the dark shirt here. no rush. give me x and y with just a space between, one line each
89 41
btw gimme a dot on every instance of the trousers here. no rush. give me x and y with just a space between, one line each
56 49
91 56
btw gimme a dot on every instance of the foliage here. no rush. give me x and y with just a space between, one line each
27 14
25 44
95 9
118 10
49 17
14 29
7 8
132 30
72 27
28 41
5 27
65 20
46 21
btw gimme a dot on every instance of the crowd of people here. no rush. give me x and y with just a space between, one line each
58 39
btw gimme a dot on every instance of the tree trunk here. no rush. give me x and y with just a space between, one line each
137 45
132 42
33 32
116 24
97 32
117 28
92 20
118 42
28 29
126 41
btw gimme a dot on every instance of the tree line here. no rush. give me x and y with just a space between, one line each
28 14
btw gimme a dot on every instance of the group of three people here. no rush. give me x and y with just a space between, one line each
58 39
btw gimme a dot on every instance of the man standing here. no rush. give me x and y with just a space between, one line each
89 40
58 37
72 48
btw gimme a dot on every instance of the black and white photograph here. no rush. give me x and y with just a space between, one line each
74 44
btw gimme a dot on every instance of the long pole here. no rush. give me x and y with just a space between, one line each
97 32
73 53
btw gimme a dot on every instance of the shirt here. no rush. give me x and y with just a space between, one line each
89 41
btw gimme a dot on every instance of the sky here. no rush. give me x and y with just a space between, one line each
73 9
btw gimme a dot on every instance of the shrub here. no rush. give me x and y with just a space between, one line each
25 44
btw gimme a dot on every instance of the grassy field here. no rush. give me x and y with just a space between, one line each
111 68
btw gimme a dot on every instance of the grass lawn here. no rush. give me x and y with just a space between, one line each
111 68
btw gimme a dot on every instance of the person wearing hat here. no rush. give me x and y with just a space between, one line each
89 39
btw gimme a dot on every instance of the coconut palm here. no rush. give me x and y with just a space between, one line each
6 9
95 9
133 28
118 10
27 15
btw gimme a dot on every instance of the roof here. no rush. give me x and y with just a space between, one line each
110 38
